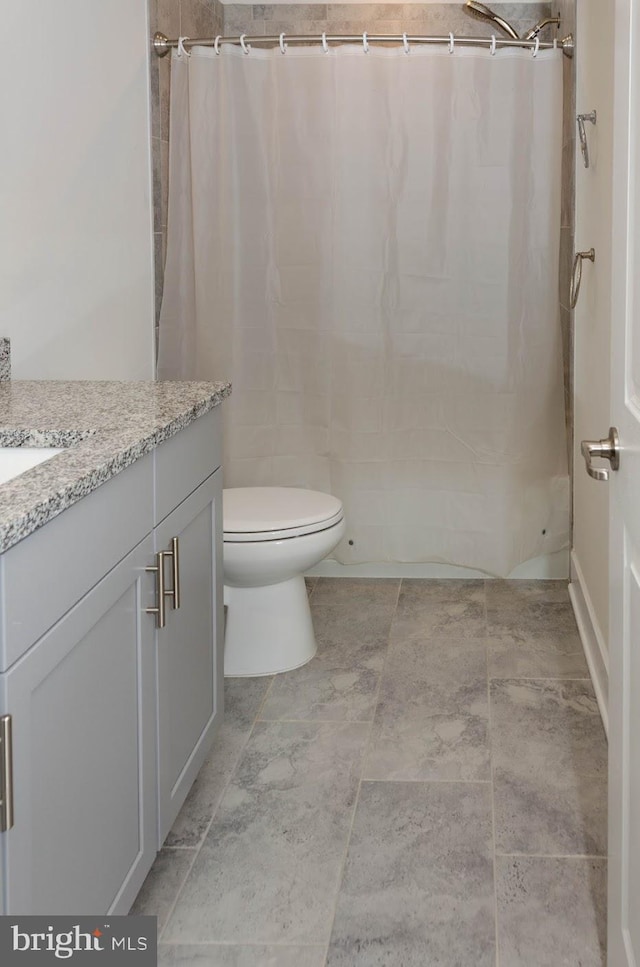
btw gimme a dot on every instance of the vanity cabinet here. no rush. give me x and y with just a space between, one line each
111 716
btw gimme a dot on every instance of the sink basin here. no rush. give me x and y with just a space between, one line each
17 460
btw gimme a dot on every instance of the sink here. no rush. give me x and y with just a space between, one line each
17 460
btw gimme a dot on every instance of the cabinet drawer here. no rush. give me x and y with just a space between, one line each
185 460
49 571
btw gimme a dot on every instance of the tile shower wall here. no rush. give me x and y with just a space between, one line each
207 17
437 18
175 18
567 11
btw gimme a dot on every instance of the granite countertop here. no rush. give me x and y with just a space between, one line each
103 426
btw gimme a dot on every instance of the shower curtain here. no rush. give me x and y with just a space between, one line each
367 245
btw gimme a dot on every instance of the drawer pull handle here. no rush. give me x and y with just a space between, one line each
174 554
161 593
6 774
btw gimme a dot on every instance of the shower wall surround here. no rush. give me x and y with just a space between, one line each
437 18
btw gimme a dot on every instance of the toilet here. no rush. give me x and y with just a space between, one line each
272 535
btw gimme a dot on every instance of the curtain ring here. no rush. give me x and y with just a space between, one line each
537 46
182 50
216 45
365 42
405 44
283 46
452 43
492 49
325 45
245 47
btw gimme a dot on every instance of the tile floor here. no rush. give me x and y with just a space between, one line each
429 790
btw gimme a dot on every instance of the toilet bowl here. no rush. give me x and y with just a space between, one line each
272 535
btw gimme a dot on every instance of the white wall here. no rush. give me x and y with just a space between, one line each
76 243
593 328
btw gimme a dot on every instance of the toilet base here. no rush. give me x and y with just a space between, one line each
268 629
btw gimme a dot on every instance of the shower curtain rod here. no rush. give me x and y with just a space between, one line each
162 44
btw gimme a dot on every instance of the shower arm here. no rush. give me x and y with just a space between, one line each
533 33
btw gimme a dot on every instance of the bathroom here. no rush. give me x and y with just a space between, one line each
438 701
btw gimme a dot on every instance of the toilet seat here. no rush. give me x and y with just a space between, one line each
277 513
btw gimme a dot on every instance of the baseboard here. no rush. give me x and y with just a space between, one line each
549 567
593 640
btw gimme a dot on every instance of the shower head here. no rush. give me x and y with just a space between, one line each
474 6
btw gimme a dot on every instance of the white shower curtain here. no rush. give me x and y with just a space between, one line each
367 245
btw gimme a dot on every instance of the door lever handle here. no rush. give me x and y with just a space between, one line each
608 449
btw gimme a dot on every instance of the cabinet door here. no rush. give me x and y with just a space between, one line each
190 658
82 702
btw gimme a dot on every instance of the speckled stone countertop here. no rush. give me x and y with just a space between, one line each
103 426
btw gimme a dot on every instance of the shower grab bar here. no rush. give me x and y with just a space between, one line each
162 45
576 275
592 117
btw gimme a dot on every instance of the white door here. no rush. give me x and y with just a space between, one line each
624 496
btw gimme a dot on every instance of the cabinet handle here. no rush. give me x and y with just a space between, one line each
158 570
6 774
174 554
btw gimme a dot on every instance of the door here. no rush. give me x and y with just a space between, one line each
82 702
190 675
624 508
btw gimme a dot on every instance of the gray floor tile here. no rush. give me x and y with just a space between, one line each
234 955
552 816
269 867
453 609
432 716
418 881
550 761
429 589
551 912
553 622
243 698
554 725
341 682
162 884
352 636
356 593
515 595
319 692
559 657
532 631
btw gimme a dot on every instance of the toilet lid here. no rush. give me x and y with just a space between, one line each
267 512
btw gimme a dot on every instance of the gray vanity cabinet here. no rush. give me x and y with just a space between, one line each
111 716
190 670
82 702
